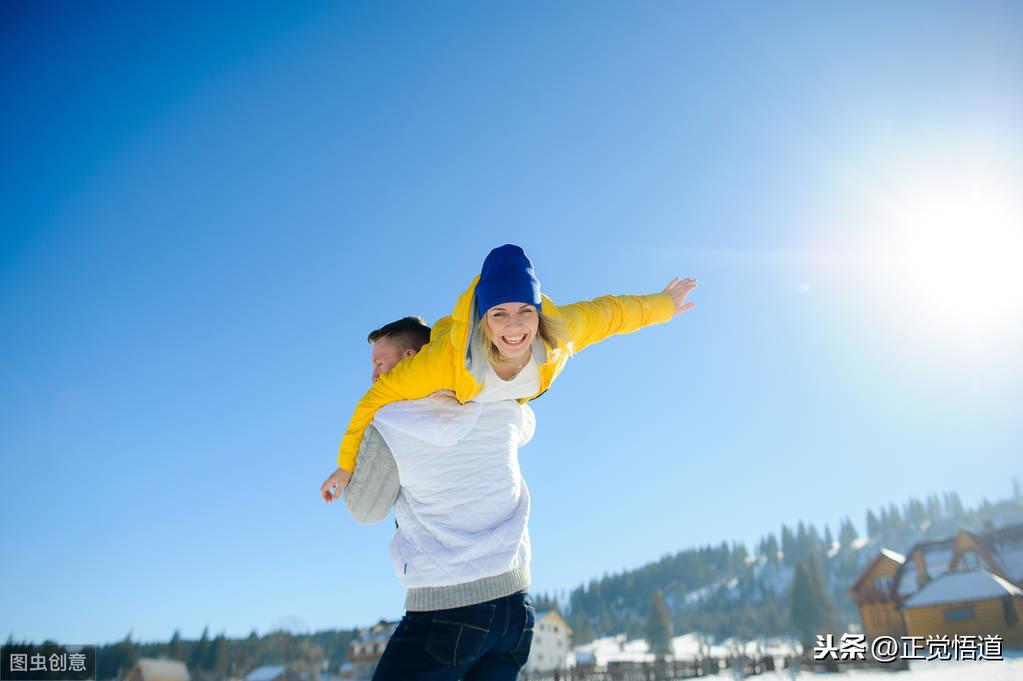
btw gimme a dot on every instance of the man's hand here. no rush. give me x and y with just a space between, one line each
340 478
678 289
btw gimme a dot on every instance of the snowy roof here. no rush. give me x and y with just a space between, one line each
616 649
958 587
583 657
381 631
1011 558
554 616
162 669
267 672
883 553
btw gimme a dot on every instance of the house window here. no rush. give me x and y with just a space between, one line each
969 560
959 614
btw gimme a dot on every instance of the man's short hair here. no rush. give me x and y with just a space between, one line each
408 333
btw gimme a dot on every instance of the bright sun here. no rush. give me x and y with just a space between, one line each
957 252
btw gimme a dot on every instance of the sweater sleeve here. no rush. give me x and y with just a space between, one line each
429 370
592 321
374 485
528 425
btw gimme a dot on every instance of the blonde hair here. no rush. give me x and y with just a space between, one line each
551 330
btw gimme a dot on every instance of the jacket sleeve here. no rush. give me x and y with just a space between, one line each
592 321
375 483
429 370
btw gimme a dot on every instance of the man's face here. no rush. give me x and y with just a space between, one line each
385 355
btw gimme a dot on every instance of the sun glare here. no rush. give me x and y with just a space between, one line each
957 253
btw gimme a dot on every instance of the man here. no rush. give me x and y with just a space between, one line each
461 544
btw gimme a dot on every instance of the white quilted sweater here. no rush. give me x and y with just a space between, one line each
463 509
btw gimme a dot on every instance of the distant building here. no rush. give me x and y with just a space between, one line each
162 669
365 650
583 661
968 584
972 602
276 672
872 592
609 651
552 643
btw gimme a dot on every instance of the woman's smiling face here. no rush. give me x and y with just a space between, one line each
513 327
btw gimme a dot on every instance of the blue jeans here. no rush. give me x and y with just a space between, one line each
482 642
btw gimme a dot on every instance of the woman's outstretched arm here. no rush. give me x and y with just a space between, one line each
592 321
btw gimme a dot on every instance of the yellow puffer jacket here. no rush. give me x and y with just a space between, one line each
441 364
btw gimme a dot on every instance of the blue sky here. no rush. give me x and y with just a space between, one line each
203 211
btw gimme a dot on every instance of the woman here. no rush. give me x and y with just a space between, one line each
504 340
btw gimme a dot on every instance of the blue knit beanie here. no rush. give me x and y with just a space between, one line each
507 277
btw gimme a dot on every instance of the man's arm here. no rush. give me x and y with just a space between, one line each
374 485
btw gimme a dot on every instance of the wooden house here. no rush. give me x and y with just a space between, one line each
968 601
366 649
971 583
872 593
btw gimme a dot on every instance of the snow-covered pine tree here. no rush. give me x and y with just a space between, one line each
658 625
873 525
847 535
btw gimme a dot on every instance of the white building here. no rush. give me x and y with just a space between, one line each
366 649
268 672
551 643
162 669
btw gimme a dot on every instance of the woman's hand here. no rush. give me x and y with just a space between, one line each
678 289
339 477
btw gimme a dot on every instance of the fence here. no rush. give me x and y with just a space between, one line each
735 667
666 670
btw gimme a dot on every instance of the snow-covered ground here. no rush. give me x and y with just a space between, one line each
603 650
1005 670
686 647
